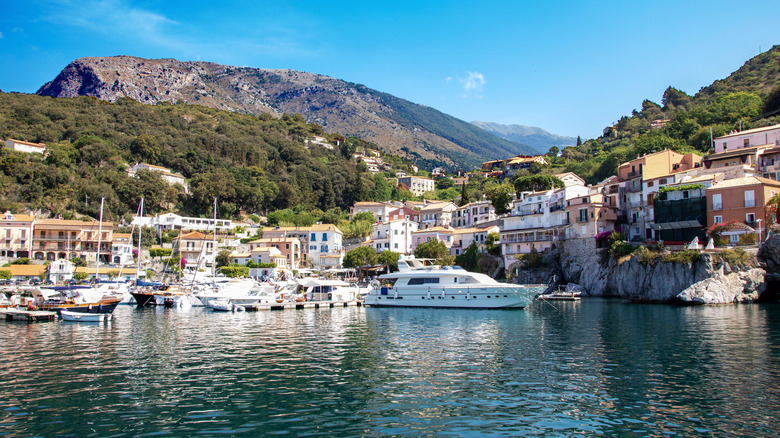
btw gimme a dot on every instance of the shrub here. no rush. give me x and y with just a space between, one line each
533 259
735 257
681 257
748 239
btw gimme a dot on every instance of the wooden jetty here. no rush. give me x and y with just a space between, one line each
298 305
17 314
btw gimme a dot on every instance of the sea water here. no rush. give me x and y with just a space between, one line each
590 368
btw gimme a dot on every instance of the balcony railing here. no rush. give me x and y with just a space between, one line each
750 202
717 206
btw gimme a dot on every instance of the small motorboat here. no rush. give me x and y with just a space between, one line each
68 315
220 305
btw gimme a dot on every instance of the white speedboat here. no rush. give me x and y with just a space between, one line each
415 285
316 289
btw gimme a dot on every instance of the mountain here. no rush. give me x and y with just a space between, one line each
423 134
536 138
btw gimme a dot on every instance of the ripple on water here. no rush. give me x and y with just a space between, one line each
594 367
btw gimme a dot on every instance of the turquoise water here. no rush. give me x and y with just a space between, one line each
597 367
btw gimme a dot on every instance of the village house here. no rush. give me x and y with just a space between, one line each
741 200
474 213
417 184
768 135
325 246
590 215
198 250
289 247
62 239
108 273
172 221
380 210
680 213
16 231
61 271
464 237
404 213
122 249
166 174
443 234
639 186
513 165
437 214
394 235
26 147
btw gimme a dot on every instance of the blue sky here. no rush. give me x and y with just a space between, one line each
570 67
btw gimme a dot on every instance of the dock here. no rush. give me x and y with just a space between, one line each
15 314
295 305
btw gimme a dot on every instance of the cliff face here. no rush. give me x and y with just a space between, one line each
707 281
398 126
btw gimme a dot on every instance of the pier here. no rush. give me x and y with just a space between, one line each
28 315
294 305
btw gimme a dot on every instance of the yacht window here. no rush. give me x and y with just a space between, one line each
421 280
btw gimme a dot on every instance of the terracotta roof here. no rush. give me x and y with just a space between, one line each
745 181
736 152
25 270
325 227
18 218
72 223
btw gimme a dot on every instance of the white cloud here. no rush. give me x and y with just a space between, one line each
474 81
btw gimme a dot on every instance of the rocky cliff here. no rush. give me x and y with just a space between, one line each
710 280
398 126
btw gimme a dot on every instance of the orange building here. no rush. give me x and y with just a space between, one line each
289 247
62 239
742 200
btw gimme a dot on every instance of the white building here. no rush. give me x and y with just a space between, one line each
437 215
417 184
26 147
165 173
172 221
394 236
537 221
61 271
464 237
122 249
325 246
380 210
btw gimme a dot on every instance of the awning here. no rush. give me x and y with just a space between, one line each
676 225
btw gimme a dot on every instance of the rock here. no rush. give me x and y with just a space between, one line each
725 288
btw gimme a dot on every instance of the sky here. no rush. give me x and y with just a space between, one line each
569 67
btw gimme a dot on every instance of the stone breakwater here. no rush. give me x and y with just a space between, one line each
710 280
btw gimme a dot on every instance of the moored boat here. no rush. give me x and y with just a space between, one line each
416 285
68 315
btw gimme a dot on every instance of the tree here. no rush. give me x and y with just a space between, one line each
535 183
5 274
464 195
444 183
434 249
469 259
223 258
553 152
389 259
78 261
364 216
500 196
359 257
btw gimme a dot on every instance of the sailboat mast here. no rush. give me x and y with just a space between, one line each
214 243
140 233
100 232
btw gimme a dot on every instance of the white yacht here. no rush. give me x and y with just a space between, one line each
416 285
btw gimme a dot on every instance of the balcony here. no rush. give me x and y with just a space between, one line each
717 206
633 174
750 203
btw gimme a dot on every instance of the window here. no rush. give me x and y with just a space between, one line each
583 215
716 204
746 142
750 218
313 237
649 184
750 200
415 281
718 219
324 237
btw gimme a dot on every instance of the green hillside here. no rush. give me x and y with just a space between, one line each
747 99
248 163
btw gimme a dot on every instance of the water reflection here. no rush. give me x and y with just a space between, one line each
593 367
